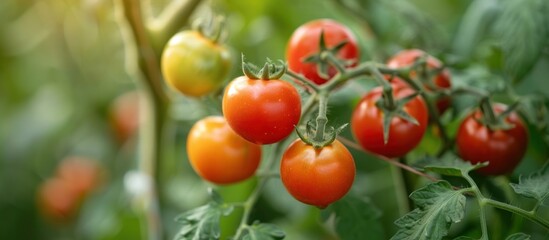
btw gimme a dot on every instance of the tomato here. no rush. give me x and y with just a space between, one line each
124 115
317 177
83 175
57 201
193 64
304 42
406 58
261 111
503 149
367 123
218 154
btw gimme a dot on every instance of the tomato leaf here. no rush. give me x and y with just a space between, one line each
438 207
535 185
355 218
521 22
518 236
203 222
451 166
263 231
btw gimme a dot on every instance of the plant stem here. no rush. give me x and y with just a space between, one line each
250 202
401 191
530 215
474 188
321 119
301 80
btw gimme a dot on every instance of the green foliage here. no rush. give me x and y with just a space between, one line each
522 30
203 222
452 166
535 185
438 207
355 218
263 231
518 236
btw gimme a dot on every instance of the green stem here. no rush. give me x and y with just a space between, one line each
488 112
401 191
302 80
335 62
321 119
252 199
530 215
474 188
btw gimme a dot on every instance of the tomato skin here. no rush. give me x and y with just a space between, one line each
503 149
367 123
218 154
304 42
193 64
124 115
57 201
83 175
317 177
261 111
407 57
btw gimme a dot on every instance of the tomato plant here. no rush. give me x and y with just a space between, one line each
218 154
440 80
304 43
502 148
193 64
367 123
261 111
317 177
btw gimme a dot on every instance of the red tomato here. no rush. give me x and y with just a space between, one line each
317 177
367 123
406 58
503 149
261 111
218 154
124 115
82 175
304 42
57 201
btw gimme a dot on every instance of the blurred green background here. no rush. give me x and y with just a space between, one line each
62 65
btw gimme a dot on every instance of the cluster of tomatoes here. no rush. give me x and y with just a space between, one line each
60 197
259 108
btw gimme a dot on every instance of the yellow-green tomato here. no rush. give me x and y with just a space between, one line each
193 64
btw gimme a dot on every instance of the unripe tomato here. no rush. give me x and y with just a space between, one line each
124 115
406 58
305 41
218 154
367 123
57 201
193 64
503 149
261 111
317 177
81 174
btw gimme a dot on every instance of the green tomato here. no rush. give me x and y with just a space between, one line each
193 64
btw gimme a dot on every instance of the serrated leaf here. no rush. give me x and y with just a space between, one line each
438 207
355 218
203 222
452 166
535 185
263 231
522 22
518 236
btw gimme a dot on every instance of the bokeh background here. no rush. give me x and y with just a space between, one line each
63 69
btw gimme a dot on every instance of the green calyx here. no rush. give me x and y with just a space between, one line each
495 121
318 136
211 28
326 56
270 70
394 108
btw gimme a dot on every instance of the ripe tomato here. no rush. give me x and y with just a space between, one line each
57 201
218 154
317 177
305 41
124 115
81 174
367 123
442 80
503 149
193 64
261 111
